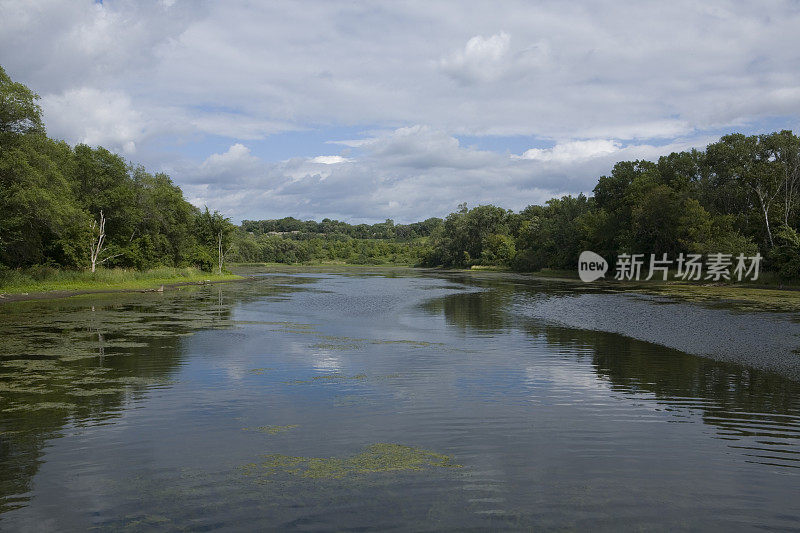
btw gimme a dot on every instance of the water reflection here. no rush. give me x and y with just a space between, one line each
756 410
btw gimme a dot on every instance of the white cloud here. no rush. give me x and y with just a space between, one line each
330 159
573 151
95 117
482 59
407 174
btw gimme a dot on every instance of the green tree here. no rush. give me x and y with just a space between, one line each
215 231
19 112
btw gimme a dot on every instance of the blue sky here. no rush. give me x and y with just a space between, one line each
403 110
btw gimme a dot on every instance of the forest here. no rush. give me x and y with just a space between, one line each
84 208
739 195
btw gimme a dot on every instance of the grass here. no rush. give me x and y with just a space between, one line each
45 279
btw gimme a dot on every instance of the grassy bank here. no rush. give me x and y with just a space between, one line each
768 292
45 279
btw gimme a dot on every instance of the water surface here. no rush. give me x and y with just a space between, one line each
386 400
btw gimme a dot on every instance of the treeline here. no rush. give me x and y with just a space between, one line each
328 227
329 248
289 240
739 195
84 207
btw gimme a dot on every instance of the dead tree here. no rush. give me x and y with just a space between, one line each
221 254
98 242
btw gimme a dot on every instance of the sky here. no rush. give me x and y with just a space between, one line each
362 111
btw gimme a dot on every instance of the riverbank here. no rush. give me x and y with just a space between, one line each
52 283
768 292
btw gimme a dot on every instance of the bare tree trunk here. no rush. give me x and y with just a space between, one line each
766 220
96 246
765 205
791 177
220 253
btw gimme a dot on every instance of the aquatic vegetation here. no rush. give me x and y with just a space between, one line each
272 430
39 406
259 371
331 346
95 392
731 296
328 377
417 344
377 458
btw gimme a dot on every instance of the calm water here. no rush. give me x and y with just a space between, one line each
377 401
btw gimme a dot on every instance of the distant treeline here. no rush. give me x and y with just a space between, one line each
382 230
290 240
74 207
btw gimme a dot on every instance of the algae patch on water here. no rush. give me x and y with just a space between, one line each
381 457
259 371
328 377
272 430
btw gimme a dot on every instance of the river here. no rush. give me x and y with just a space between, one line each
401 399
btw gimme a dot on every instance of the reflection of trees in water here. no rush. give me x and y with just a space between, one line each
756 410
485 309
739 401
79 361
474 310
634 365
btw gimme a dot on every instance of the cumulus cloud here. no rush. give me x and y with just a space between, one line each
406 174
482 59
169 82
573 151
490 59
330 159
95 117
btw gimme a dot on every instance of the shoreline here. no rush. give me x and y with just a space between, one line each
751 297
67 293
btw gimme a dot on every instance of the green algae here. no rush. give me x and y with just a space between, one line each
340 376
328 377
377 458
272 430
736 297
259 371
95 392
39 407
331 346
416 344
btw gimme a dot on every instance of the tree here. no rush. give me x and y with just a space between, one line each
40 219
216 230
785 256
750 162
19 112
784 149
